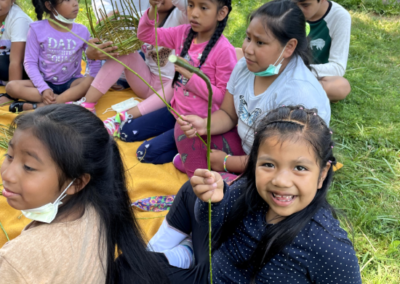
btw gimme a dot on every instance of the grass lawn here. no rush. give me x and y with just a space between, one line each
367 132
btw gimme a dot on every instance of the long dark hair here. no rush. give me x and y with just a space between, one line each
40 7
286 21
214 39
79 144
284 123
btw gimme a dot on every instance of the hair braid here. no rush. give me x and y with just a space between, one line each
186 46
214 39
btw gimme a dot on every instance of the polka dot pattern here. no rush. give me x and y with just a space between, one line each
321 252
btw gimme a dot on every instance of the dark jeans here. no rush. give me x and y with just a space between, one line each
181 217
159 123
5 66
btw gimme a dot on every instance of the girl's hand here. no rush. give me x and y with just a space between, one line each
192 124
157 3
207 185
94 54
217 158
184 72
48 97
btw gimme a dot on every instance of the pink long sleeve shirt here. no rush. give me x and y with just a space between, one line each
191 96
55 56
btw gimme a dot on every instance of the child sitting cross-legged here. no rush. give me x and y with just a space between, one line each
65 173
330 26
53 59
274 224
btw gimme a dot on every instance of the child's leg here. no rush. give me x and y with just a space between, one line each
147 126
159 150
112 70
178 225
337 88
194 153
77 90
23 89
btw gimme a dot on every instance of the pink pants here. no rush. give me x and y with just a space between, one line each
194 153
112 70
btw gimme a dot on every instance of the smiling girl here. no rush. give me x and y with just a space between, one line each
53 58
65 173
275 71
273 225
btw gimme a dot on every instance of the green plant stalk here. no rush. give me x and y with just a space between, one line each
176 60
143 80
158 57
1 226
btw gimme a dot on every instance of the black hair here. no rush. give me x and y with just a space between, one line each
286 21
300 1
161 24
40 7
214 39
285 123
79 144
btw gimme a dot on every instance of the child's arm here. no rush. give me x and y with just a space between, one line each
32 62
167 37
339 51
225 61
16 60
93 66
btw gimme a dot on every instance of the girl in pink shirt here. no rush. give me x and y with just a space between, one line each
202 45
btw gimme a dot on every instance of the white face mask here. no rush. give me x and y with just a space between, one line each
46 213
62 19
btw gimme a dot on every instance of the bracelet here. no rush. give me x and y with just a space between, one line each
225 159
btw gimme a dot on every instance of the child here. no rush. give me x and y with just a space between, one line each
14 25
274 72
274 225
53 59
330 26
172 13
62 155
202 44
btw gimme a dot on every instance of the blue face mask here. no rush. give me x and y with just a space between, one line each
272 69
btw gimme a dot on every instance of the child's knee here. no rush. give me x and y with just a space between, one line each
145 154
12 88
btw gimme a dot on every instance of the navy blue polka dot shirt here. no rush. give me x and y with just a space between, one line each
321 252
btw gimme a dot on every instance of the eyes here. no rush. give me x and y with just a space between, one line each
296 168
259 43
190 5
26 168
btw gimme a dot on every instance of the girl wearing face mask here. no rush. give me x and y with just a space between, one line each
53 59
275 71
273 225
70 181
14 25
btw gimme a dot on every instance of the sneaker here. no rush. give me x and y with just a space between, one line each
82 102
177 161
115 123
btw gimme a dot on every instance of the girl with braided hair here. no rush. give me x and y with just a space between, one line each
275 71
273 225
202 44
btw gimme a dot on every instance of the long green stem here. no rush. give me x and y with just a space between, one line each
176 60
158 57
1 226
129 69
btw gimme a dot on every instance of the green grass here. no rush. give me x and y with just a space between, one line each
367 132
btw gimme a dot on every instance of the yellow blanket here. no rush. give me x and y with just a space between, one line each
144 180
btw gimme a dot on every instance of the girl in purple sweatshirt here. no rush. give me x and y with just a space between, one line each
53 59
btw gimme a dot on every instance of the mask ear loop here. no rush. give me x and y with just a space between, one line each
63 195
280 57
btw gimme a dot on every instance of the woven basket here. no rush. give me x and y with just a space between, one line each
120 29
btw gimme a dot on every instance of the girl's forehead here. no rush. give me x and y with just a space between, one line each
258 27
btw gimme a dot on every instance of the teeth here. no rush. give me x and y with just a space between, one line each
283 197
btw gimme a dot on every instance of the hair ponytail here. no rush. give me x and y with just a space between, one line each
79 144
40 7
214 39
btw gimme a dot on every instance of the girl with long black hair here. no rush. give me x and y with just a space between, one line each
62 155
273 225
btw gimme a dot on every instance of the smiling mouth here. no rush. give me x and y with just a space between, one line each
283 198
